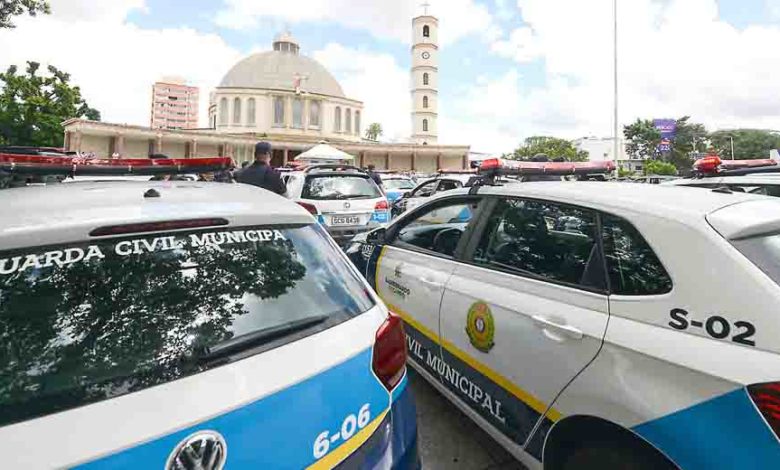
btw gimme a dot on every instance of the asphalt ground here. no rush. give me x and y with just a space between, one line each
450 440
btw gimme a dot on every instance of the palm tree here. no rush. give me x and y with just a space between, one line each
373 131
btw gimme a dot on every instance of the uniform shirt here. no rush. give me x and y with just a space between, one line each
262 175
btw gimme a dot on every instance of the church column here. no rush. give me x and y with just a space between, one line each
120 146
285 156
438 161
194 148
414 161
387 161
158 144
66 142
362 159
466 161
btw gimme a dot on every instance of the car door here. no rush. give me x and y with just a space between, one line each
412 266
424 190
524 313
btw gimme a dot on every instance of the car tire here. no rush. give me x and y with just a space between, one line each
608 456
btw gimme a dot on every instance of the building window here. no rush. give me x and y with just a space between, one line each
337 120
223 112
426 31
278 111
348 121
250 112
314 113
425 125
425 78
237 111
297 113
357 122
425 102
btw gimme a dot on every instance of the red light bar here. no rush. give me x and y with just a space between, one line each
714 164
156 226
545 168
38 164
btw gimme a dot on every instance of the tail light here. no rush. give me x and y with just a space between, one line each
309 207
381 205
767 399
389 363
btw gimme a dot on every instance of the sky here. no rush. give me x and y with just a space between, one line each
509 69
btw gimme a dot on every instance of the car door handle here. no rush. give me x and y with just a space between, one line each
431 283
565 330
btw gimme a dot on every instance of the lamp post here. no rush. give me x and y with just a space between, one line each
615 78
732 146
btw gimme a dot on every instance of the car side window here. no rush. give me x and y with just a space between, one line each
437 229
543 239
633 267
446 185
425 190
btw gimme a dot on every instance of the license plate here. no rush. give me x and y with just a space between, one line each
345 220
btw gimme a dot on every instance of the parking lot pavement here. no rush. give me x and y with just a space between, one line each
448 439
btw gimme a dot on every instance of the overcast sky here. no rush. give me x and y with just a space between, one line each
509 68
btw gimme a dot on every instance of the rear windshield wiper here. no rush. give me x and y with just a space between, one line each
257 338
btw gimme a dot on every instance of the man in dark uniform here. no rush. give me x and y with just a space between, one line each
375 176
260 172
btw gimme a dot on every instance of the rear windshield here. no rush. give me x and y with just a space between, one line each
85 322
764 252
398 184
340 187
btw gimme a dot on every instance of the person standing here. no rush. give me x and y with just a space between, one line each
260 172
375 176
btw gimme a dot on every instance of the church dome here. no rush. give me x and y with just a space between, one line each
279 70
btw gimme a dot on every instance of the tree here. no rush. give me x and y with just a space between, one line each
553 147
33 106
373 131
748 143
658 167
689 139
11 8
642 138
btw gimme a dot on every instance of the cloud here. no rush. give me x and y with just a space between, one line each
375 79
384 19
113 62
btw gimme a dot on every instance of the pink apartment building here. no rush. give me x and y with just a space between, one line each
174 105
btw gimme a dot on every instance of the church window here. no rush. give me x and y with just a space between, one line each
250 112
348 121
425 78
297 113
223 111
426 31
278 111
425 102
237 111
337 119
357 122
314 113
425 125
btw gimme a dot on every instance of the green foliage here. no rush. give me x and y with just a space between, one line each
642 138
748 143
658 167
33 106
373 131
11 8
624 173
553 147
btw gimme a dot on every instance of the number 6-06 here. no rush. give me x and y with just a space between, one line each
348 428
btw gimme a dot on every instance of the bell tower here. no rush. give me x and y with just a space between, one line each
425 78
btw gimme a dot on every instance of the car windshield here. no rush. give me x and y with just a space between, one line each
340 187
392 184
88 321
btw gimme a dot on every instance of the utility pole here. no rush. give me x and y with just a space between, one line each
732 146
616 129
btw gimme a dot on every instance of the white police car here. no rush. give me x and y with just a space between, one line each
595 325
760 176
344 199
184 325
395 185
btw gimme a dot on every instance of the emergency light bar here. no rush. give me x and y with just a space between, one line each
513 167
79 166
716 165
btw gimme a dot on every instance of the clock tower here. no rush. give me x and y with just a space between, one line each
425 78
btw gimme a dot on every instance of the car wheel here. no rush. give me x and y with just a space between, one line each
606 456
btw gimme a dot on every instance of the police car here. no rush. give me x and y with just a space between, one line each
595 325
428 187
396 185
343 198
188 325
760 176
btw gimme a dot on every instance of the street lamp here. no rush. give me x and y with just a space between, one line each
732 147
615 59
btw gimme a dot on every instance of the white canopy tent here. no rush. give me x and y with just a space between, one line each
324 153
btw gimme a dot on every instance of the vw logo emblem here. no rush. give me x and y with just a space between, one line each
347 205
204 450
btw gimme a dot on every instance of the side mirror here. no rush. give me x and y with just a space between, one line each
406 194
376 237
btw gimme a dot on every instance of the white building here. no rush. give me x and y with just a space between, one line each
425 79
284 93
603 148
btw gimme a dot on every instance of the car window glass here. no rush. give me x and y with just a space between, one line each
553 241
438 229
90 321
425 190
633 267
446 185
339 187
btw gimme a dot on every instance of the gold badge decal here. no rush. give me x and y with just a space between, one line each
480 327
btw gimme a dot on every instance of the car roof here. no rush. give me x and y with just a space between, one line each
745 179
59 213
653 199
